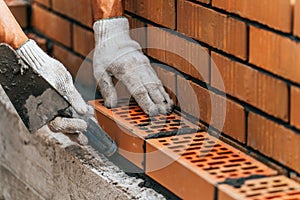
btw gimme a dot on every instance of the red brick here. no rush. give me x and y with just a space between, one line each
79 10
46 3
51 25
258 89
296 30
138 32
159 11
83 40
19 10
274 140
277 14
213 28
168 79
184 55
295 106
275 53
81 70
210 108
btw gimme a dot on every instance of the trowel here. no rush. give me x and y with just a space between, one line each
37 102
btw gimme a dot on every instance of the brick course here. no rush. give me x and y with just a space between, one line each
254 44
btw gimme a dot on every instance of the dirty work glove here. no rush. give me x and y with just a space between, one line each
116 54
59 78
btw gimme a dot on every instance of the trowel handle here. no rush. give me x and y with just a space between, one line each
99 139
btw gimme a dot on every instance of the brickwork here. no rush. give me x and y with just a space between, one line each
253 45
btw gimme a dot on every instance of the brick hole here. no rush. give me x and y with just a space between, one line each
219 157
143 128
277 181
189 158
135 118
235 156
174 128
188 154
274 191
242 191
177 150
233 175
229 171
259 188
213 173
176 147
248 163
248 168
211 142
181 142
253 195
264 183
162 130
198 140
187 137
193 148
145 124
246 173
149 131
174 124
133 122
125 108
275 196
216 163
122 113
168 121
134 115
199 136
199 160
174 139
171 117
162 140
220 176
210 168
145 120
250 184
232 165
237 160
208 146
260 171
205 151
224 149
196 144
114 110
294 193
166 144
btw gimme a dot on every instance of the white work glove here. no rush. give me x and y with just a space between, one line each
116 54
59 78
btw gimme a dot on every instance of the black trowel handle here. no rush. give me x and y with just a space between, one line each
99 139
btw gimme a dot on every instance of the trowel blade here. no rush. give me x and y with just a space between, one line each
34 99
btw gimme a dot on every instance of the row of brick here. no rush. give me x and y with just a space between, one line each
284 15
268 137
187 163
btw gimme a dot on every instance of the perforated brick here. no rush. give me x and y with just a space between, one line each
191 165
129 126
274 188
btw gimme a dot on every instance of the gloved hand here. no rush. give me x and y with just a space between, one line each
116 54
59 78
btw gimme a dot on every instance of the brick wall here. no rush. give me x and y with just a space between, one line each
253 44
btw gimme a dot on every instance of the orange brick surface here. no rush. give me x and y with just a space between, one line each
274 14
213 28
184 55
210 108
159 11
296 21
51 25
80 10
274 140
46 3
168 79
192 165
249 85
275 53
83 40
276 188
295 106
81 70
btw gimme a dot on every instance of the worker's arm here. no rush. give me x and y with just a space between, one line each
10 31
116 54
50 69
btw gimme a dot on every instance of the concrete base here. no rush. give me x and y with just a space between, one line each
48 165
